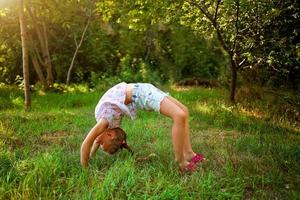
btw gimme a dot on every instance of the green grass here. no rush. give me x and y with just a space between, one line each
250 154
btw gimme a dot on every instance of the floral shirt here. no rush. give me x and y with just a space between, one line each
111 106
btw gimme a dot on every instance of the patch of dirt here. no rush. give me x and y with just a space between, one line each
220 159
214 136
248 193
54 137
145 158
12 141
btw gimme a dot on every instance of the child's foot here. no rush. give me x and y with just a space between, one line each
188 168
189 156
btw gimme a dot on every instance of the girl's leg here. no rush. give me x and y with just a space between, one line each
187 147
180 120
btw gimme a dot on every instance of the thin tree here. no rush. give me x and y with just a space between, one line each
24 39
229 47
39 71
78 45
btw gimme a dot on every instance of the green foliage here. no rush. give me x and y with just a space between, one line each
279 47
10 97
130 70
158 41
262 33
10 45
136 70
103 81
193 56
122 36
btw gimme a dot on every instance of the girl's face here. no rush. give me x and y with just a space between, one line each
106 142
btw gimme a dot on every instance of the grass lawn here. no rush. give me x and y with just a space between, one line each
250 153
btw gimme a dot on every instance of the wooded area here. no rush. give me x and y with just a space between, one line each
233 42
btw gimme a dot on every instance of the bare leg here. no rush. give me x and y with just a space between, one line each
180 120
187 147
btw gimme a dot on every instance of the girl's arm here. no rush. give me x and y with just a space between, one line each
99 128
95 147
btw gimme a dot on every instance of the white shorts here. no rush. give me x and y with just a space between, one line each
147 97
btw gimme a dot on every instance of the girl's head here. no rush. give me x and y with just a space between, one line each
112 140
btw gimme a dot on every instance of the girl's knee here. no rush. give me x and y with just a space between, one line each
186 110
181 116
175 110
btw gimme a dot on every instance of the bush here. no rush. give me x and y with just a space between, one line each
103 81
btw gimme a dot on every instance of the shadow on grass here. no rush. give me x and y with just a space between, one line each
230 119
10 97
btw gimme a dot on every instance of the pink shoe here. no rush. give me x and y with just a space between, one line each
197 158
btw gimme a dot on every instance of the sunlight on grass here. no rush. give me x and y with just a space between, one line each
252 113
24 166
18 101
73 88
225 107
179 88
203 107
41 93
71 113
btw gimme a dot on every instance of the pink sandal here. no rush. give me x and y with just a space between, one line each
197 158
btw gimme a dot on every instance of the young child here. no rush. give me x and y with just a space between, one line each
124 99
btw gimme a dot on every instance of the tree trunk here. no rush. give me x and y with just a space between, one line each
71 66
43 40
24 39
48 63
233 80
34 54
39 72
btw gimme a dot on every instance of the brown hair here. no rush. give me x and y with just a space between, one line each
118 141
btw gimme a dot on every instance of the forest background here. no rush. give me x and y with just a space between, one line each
231 42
